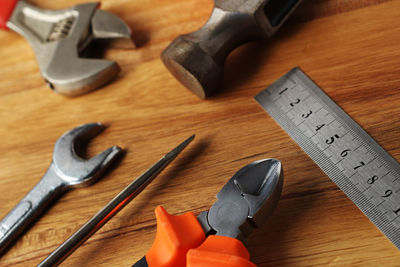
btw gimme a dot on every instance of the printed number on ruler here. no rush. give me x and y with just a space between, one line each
344 144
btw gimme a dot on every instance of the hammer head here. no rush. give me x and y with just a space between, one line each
197 59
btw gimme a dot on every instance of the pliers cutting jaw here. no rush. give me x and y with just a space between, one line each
58 39
211 239
246 200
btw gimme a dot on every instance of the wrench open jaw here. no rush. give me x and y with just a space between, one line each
78 172
66 170
59 38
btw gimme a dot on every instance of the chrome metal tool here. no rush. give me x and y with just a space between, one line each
59 38
112 208
197 59
244 204
361 168
67 170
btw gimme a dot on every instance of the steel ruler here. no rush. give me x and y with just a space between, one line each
361 168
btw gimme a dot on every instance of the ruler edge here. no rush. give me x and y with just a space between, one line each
356 128
342 181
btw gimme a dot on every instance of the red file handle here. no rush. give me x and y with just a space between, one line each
6 9
180 241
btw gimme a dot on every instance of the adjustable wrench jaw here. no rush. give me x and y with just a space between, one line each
246 201
59 37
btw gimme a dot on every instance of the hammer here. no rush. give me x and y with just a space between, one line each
197 59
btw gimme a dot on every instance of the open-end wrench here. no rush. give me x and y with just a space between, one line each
197 59
59 38
112 208
67 170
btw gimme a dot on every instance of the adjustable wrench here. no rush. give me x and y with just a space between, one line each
59 39
67 170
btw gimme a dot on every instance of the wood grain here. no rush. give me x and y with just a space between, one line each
349 48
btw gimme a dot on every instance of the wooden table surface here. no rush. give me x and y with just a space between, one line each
350 48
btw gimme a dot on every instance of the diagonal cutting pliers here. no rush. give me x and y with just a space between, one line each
213 237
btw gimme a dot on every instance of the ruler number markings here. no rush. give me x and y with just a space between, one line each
321 123
351 166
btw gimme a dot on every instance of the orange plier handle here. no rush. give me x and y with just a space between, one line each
180 241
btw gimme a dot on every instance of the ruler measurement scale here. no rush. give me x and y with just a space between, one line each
361 168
